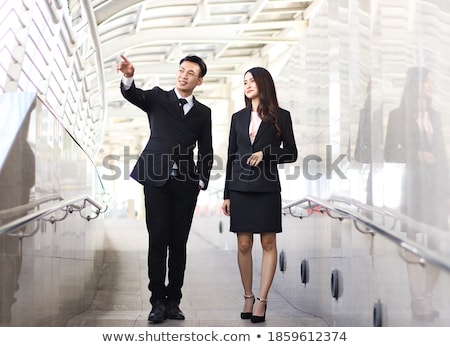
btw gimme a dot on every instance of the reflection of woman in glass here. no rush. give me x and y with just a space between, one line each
425 191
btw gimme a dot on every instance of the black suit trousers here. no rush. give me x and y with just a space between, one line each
169 213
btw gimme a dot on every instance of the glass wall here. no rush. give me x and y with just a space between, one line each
368 88
48 267
51 78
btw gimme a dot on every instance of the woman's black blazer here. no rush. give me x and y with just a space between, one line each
276 150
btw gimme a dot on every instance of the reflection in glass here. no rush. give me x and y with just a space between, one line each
369 140
414 136
361 51
17 178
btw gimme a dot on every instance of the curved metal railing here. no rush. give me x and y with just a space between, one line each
22 209
332 207
49 214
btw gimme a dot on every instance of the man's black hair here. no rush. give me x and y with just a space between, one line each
197 60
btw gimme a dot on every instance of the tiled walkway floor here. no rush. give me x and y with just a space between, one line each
212 293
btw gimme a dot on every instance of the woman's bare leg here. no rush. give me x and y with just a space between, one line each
245 263
268 267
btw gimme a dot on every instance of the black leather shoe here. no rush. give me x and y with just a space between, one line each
173 311
248 315
158 313
260 319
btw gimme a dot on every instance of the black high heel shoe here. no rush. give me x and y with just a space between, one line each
260 319
248 315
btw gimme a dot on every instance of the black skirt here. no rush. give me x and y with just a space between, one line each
255 212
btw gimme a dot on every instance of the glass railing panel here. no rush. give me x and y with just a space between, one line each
56 258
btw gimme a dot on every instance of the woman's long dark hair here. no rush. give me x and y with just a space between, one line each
268 102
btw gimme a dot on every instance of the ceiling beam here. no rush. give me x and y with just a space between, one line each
204 34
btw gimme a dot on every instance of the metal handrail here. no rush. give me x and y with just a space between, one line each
67 206
21 209
424 253
391 213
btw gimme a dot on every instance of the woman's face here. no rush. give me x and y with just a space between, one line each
250 87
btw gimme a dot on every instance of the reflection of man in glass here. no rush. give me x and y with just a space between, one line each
17 177
369 140
425 190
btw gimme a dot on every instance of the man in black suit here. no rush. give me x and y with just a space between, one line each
171 178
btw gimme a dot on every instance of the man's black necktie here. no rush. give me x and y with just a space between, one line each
182 102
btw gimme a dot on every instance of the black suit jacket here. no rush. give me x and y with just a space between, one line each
173 138
263 178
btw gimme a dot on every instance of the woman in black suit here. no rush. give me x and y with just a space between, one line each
261 137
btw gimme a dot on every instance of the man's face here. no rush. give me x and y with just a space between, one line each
188 77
